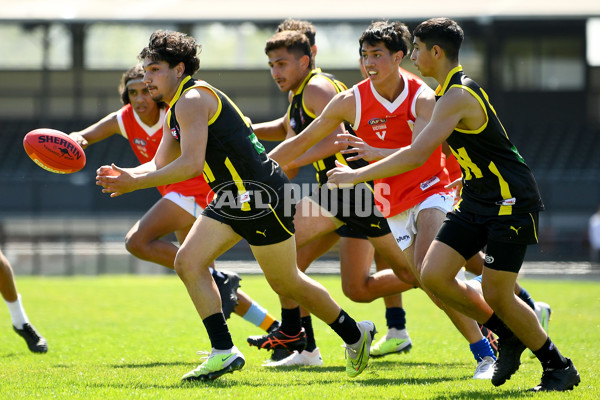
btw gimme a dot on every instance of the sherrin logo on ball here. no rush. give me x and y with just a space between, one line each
55 151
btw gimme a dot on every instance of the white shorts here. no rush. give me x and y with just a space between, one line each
188 203
404 225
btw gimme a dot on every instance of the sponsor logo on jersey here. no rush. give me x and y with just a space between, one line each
377 121
429 183
379 127
489 259
139 142
175 133
293 123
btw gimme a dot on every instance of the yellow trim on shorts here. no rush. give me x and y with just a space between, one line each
281 223
534 229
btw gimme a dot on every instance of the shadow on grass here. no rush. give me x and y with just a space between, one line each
216 384
485 394
373 366
391 363
153 364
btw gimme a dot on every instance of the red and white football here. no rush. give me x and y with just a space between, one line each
53 150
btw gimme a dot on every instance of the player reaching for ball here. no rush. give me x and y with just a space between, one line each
499 207
20 321
140 122
205 132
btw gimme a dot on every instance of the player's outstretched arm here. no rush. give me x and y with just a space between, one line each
446 115
174 161
97 132
327 122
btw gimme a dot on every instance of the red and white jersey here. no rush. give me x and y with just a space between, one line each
385 124
144 141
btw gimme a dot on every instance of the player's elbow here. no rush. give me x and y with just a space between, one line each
415 159
195 170
191 167
415 162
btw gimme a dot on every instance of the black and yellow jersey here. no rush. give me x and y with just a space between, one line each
300 117
236 165
496 180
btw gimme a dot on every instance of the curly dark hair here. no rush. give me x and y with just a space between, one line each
443 32
295 42
299 25
173 48
394 35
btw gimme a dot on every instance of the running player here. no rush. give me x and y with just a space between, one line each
140 122
205 132
20 322
292 68
499 208
389 109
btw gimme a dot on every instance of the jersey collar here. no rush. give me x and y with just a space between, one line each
442 89
305 82
179 90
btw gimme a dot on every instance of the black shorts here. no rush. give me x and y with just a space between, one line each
355 207
505 237
347 232
258 227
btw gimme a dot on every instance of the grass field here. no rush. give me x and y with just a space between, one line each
129 337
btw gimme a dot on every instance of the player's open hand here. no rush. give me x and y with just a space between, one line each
358 147
115 180
107 170
341 176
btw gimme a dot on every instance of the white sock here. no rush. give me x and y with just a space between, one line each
227 351
17 313
394 333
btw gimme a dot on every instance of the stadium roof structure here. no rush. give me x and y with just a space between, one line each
274 10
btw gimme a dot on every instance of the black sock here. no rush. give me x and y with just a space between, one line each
395 317
550 357
346 328
217 330
496 325
524 295
311 345
290 321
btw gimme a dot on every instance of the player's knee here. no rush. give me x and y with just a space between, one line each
357 293
431 281
407 276
184 265
135 244
281 285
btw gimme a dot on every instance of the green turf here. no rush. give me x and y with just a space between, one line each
135 336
